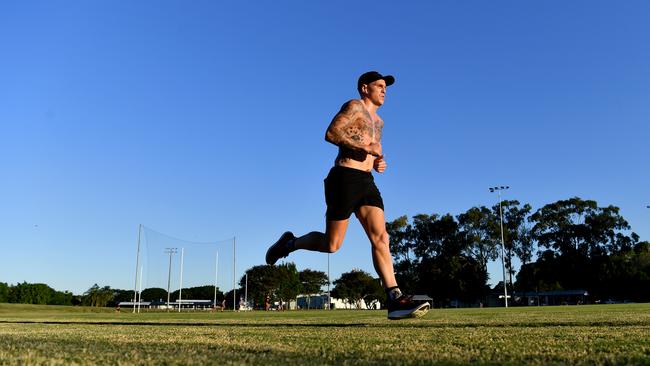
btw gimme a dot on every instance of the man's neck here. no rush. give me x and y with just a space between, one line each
370 106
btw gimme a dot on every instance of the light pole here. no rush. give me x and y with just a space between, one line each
503 250
329 299
171 252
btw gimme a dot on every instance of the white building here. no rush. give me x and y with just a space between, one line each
319 301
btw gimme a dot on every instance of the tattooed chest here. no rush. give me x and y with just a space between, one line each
364 131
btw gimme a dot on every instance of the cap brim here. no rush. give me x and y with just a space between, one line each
389 79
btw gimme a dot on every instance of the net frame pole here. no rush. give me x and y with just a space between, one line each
137 266
234 262
216 280
171 252
503 252
329 296
140 292
180 289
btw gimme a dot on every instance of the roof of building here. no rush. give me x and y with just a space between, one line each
554 293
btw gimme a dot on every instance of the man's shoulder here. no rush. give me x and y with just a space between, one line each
351 105
354 102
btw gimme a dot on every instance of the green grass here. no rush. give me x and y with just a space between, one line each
578 335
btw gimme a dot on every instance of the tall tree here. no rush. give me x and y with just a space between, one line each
205 292
156 294
578 227
355 286
401 247
31 293
98 296
586 247
289 286
476 225
545 274
524 247
376 292
312 282
4 292
61 298
263 281
442 265
426 236
123 295
516 234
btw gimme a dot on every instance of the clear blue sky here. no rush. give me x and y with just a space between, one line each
205 120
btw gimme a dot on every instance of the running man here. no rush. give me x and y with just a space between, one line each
350 188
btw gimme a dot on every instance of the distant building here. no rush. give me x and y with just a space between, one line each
162 305
540 298
544 298
319 301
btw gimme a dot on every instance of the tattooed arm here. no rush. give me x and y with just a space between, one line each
351 129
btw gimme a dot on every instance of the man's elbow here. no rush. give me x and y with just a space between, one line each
329 137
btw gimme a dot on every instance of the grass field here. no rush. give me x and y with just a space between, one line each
577 335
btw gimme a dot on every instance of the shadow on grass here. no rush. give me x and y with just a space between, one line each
411 323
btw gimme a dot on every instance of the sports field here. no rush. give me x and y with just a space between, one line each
579 335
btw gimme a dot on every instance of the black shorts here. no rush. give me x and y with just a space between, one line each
347 189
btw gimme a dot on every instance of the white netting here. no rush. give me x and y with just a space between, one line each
204 264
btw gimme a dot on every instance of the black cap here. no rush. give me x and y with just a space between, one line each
371 76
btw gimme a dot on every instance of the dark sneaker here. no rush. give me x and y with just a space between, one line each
280 249
404 307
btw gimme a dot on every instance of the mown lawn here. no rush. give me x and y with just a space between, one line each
578 335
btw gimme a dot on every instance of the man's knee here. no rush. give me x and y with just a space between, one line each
334 234
381 240
335 244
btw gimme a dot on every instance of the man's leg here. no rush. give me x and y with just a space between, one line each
399 306
373 222
328 242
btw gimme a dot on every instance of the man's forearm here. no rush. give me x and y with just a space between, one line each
346 141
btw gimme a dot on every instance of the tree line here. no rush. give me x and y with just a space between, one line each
42 294
566 245
35 293
96 296
284 283
279 283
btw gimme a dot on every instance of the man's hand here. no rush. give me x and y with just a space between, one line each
380 164
374 149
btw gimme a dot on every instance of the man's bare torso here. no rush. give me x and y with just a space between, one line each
352 129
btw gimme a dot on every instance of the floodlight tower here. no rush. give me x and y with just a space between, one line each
503 250
171 252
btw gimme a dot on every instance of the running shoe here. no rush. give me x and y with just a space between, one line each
280 249
404 307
